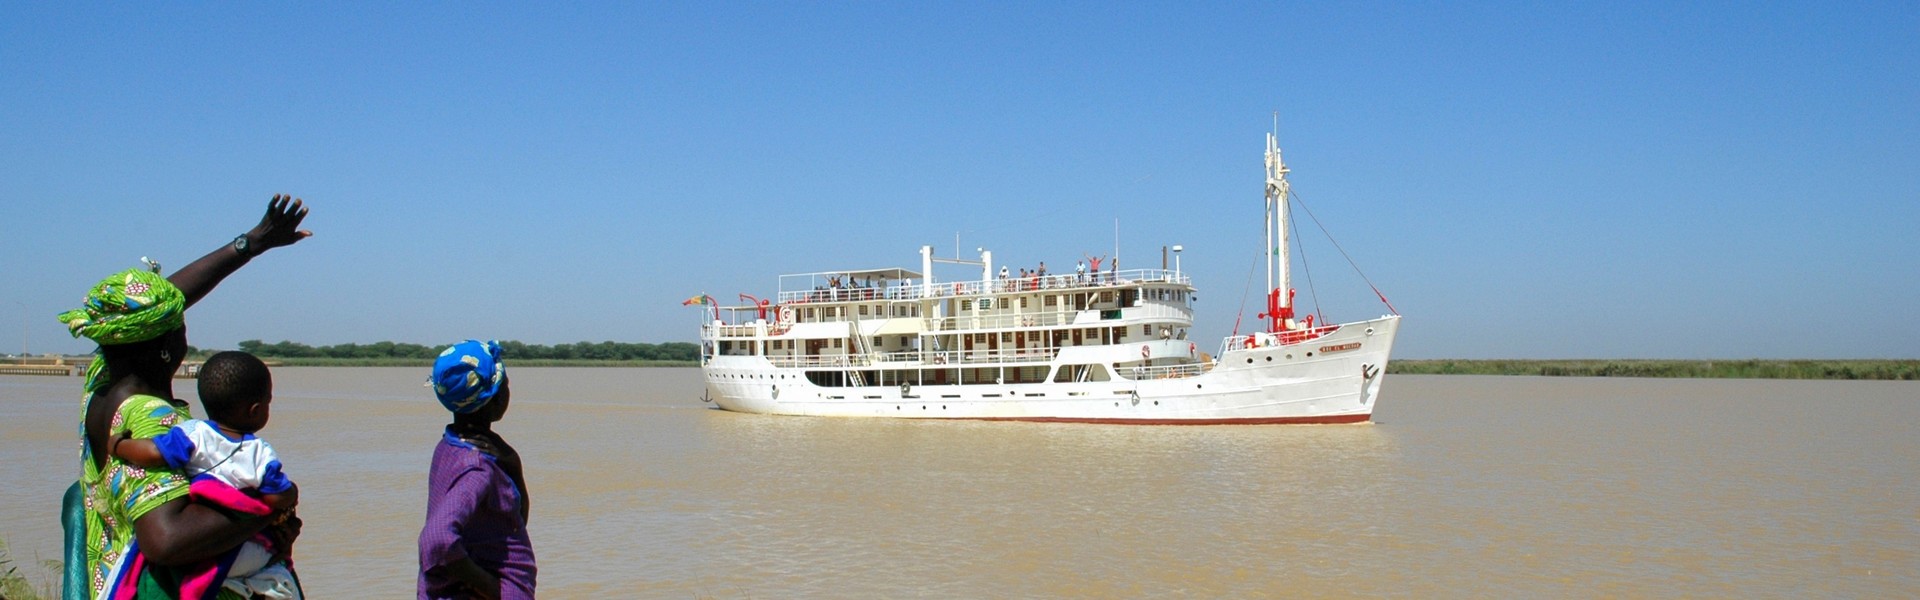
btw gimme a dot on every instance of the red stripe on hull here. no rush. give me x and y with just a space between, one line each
1326 420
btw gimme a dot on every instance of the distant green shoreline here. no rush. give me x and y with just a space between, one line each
1901 370
428 363
1864 369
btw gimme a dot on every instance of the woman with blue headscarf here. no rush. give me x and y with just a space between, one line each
127 525
474 544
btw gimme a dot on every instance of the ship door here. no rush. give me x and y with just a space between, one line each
1076 337
814 346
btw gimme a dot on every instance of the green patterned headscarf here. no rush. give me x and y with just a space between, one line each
127 307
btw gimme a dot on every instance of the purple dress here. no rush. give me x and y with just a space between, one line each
476 508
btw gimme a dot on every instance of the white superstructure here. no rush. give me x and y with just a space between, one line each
1106 346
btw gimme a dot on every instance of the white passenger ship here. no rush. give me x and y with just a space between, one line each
1103 347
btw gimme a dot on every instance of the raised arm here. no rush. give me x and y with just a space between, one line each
280 227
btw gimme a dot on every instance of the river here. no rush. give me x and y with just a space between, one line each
1465 486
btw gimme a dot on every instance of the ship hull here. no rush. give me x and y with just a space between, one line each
1335 378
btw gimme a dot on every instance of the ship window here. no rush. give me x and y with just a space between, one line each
966 305
863 310
1052 300
1006 337
836 342
1146 330
1023 302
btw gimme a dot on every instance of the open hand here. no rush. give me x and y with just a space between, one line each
281 225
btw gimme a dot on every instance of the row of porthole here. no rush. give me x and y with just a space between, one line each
922 407
755 376
1270 357
1155 403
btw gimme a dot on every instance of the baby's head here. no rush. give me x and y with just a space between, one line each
236 390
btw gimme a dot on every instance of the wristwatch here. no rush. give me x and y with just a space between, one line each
242 246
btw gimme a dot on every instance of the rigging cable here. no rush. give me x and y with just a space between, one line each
1343 253
1243 299
1311 289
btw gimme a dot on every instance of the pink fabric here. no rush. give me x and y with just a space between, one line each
203 579
130 576
216 492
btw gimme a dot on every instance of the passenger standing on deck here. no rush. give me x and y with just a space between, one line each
475 542
1080 271
1095 260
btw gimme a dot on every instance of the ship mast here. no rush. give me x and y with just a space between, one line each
1279 298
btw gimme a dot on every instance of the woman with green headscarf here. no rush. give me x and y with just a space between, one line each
134 523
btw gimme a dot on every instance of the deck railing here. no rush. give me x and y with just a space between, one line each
917 291
962 358
1284 338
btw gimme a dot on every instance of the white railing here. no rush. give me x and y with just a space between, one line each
1167 371
917 291
919 358
1284 338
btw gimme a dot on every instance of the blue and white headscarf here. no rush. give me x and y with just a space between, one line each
467 375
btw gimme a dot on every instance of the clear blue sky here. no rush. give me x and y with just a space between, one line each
1523 179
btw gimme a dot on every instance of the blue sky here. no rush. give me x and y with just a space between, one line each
1530 180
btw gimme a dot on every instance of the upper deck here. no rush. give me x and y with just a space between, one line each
854 289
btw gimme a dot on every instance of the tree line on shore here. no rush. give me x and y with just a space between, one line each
1895 370
581 351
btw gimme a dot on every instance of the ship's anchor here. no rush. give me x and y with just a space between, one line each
905 388
1367 373
776 392
1136 397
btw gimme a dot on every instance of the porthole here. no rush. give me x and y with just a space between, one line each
1269 358
1250 361
1309 354
1289 356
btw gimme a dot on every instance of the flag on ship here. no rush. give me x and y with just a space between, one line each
702 299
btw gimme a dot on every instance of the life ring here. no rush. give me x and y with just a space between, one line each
1145 352
785 315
